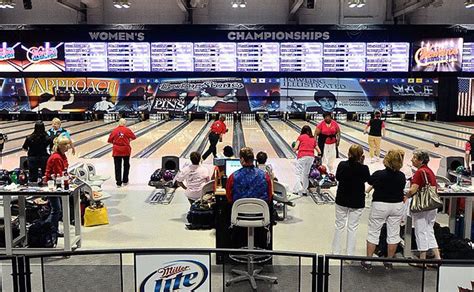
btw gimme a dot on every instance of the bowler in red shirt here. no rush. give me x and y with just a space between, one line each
121 150
218 129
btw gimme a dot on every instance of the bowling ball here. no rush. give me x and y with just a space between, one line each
322 169
466 172
293 145
314 174
317 161
436 144
168 175
460 169
331 177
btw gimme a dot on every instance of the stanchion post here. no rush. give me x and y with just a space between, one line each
319 274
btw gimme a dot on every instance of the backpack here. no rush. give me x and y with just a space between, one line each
41 234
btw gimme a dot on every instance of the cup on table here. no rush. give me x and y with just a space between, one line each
51 185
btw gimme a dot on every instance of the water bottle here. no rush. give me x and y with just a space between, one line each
14 177
39 180
65 180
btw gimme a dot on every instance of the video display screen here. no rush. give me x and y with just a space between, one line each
429 55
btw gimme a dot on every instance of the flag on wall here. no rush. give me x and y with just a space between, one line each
465 96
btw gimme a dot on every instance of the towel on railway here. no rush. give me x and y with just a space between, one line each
201 214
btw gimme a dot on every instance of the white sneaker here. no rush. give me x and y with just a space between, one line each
125 184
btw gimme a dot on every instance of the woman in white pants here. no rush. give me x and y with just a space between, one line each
423 221
387 205
329 135
304 146
350 198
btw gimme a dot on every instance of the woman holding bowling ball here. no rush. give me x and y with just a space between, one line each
304 147
352 175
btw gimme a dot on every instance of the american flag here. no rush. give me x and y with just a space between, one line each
465 96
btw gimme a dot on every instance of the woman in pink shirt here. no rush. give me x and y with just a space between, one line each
329 135
193 177
304 146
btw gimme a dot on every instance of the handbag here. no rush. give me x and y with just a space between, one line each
426 198
94 216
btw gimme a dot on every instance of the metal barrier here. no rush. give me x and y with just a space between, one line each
157 270
347 274
189 269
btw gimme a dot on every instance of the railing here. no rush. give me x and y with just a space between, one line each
156 270
210 269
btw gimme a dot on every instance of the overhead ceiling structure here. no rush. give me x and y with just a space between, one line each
119 4
7 4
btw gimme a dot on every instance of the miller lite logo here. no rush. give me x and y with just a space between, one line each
178 275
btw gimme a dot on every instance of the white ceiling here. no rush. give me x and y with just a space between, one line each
257 11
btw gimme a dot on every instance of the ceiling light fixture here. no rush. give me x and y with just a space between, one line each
356 3
469 4
121 4
238 3
7 4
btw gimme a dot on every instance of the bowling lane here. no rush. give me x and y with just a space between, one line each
67 125
8 124
144 141
102 140
448 126
411 141
256 139
176 145
286 132
457 139
423 134
18 143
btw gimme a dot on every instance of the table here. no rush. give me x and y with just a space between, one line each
452 195
71 239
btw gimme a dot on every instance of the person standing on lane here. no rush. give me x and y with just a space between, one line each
37 146
218 129
58 131
376 132
121 151
328 136
305 145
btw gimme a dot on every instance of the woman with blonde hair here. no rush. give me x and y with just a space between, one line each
350 198
57 164
387 205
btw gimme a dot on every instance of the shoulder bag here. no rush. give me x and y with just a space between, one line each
426 198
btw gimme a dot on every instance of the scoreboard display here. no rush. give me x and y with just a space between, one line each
387 57
258 57
344 57
128 57
86 57
213 57
172 57
468 57
301 57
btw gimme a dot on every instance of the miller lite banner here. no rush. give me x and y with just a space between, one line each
438 55
166 273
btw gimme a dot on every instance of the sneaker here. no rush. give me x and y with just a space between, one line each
367 266
125 184
388 266
119 186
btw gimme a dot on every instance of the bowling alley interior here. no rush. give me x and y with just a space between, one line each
236 145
